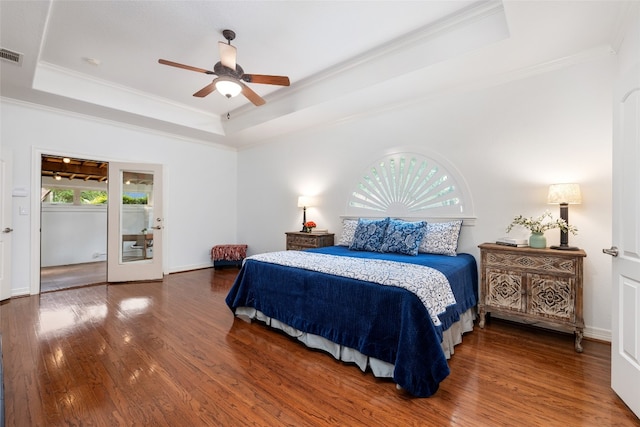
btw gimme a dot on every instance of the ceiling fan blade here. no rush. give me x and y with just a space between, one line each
269 80
251 95
206 90
227 55
186 67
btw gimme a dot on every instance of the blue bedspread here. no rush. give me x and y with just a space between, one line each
388 323
461 271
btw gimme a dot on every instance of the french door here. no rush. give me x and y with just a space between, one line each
135 222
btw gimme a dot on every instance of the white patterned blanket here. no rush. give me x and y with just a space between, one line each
428 284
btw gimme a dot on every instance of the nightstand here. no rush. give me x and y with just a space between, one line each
540 287
297 240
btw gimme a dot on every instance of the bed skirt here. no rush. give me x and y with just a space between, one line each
451 337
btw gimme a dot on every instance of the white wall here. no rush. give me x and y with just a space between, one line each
73 234
76 234
629 52
509 142
199 180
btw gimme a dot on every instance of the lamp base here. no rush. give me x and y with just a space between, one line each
564 248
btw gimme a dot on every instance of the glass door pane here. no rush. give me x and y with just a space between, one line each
136 215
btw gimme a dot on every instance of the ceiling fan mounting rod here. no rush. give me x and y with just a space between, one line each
229 35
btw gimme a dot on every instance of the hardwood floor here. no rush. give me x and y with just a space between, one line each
171 353
71 276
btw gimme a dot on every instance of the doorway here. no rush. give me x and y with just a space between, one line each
73 215
87 237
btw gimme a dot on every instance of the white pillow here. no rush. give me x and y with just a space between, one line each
441 238
348 231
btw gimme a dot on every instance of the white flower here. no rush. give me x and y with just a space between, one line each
538 225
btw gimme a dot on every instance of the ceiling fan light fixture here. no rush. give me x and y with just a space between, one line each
228 87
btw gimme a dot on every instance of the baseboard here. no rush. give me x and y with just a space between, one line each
184 268
20 292
597 334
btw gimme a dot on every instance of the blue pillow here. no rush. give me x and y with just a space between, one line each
369 235
403 237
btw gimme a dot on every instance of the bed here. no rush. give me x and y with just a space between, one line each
336 299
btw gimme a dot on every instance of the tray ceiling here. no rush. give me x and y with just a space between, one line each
343 57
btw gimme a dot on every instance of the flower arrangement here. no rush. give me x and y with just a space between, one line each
539 225
309 226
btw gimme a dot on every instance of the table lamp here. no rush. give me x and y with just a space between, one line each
304 202
564 195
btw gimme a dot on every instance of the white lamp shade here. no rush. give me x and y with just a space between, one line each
228 87
565 193
305 201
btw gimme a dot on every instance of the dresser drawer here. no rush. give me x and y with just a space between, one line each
301 241
549 264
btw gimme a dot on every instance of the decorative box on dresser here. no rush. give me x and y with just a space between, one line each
540 287
298 240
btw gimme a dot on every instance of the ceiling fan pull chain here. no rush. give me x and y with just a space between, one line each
228 116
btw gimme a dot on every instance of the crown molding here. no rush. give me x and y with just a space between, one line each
67 83
115 123
454 88
476 27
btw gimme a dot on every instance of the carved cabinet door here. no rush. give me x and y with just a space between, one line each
506 290
551 297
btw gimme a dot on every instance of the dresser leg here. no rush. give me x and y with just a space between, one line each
481 313
579 335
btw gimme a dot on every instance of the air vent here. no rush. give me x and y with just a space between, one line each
8 55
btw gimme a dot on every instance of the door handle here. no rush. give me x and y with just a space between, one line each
157 227
613 251
7 230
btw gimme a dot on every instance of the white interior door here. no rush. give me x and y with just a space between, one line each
135 224
5 229
625 339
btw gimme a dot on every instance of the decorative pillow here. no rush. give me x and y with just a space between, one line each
348 231
369 235
441 238
403 237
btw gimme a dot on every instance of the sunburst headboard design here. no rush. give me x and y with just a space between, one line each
411 185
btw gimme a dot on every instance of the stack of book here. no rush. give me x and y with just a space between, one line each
516 243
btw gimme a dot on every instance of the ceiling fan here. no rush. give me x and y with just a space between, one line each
230 76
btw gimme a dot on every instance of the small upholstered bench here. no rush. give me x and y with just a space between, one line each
228 255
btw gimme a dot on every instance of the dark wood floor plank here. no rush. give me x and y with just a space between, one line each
171 353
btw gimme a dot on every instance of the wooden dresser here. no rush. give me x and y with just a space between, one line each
540 287
297 240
